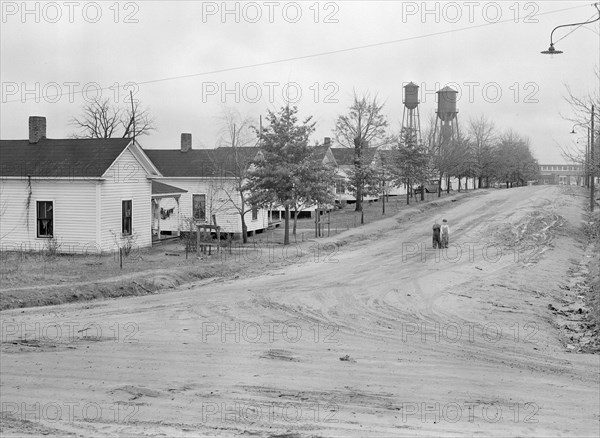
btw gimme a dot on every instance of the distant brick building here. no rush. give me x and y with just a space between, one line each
567 174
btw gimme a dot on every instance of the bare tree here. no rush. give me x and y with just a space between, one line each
236 131
102 119
581 105
234 164
451 158
513 160
364 126
483 138
589 156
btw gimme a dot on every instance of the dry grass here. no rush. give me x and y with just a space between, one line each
45 278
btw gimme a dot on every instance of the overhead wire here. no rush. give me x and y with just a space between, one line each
313 55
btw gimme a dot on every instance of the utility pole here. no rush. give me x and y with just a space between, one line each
132 113
587 160
592 162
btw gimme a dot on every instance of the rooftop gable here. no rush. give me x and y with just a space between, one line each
60 158
201 163
345 156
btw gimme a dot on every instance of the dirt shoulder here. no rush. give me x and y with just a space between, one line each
577 313
30 279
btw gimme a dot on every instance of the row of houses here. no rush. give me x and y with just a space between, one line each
96 195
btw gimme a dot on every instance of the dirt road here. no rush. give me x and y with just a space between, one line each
382 336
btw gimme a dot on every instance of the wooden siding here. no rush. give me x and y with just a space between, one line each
217 203
74 217
125 179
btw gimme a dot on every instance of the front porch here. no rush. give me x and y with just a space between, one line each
166 217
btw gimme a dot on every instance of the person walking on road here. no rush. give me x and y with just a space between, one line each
445 233
436 235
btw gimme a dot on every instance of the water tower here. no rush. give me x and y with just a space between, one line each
411 121
446 125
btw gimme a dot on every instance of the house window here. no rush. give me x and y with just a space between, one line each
45 218
126 217
199 207
254 213
340 187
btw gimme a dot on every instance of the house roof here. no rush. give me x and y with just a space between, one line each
229 159
387 155
203 163
159 188
58 158
345 156
174 163
319 152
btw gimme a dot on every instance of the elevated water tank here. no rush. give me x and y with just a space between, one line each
411 95
447 104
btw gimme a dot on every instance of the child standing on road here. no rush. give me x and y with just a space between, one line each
436 235
445 233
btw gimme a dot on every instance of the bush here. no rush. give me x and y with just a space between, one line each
52 247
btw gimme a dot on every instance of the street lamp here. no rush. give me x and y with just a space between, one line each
551 50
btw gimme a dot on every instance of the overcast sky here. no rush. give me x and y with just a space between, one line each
186 60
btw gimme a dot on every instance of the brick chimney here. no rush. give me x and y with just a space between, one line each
37 128
327 141
186 142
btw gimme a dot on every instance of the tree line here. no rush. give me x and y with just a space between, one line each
288 172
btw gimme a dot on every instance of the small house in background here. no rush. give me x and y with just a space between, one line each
384 158
74 195
324 153
320 153
344 158
207 179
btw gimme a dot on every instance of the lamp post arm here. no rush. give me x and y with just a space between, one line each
575 24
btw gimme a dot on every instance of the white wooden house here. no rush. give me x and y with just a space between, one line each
344 158
83 195
207 179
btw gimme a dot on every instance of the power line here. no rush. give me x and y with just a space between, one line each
592 16
314 55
